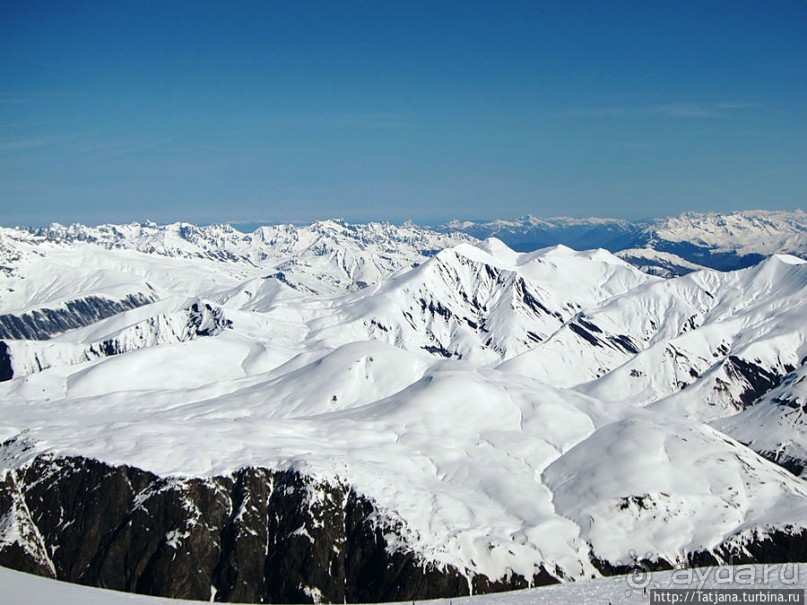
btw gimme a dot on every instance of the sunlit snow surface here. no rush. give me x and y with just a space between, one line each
466 393
34 590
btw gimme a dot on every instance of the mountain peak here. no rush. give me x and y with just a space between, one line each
789 259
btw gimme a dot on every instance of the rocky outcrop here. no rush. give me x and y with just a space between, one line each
757 379
785 545
6 367
41 324
782 545
792 464
254 536
199 319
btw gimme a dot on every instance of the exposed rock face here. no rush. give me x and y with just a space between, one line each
41 324
207 320
199 319
797 466
257 536
6 369
758 380
778 546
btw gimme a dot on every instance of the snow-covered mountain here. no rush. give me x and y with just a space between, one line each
654 262
324 257
776 425
473 300
235 415
533 232
730 335
742 233
162 323
723 241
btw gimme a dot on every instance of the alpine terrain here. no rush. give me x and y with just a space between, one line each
359 413
666 246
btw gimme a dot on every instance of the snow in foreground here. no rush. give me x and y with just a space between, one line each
17 587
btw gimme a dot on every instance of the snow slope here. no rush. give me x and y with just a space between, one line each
34 590
654 262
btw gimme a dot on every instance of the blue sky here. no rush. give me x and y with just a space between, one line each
274 111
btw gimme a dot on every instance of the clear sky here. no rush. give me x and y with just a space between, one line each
382 109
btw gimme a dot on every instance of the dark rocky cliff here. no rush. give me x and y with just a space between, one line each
255 536
41 324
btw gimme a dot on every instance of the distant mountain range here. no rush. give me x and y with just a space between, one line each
717 240
355 413
666 247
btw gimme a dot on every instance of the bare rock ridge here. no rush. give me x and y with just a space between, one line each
255 536
197 319
41 324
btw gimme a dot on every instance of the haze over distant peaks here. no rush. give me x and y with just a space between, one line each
719 240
